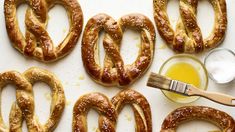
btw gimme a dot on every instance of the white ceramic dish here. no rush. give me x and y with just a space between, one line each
220 63
75 80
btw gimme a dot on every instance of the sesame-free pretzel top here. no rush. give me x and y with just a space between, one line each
188 113
23 107
114 72
108 111
37 42
188 37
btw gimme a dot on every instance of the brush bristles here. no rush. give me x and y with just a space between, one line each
158 81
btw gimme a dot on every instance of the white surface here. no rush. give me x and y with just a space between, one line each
70 68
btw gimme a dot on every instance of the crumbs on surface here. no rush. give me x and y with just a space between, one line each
64 30
48 96
94 129
162 46
68 102
81 77
138 45
128 117
173 20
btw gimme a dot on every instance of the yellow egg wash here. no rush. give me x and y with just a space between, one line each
184 72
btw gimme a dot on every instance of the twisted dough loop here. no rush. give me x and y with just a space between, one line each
180 115
23 108
188 37
108 111
140 105
37 42
100 103
115 73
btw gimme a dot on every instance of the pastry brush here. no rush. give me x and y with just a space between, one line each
165 83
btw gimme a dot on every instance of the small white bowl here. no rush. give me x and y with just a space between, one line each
220 65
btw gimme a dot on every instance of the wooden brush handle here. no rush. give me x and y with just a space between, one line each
216 97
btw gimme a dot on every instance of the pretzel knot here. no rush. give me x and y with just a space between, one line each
188 113
114 71
23 108
108 111
37 42
188 37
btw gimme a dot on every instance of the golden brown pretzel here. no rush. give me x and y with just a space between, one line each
37 42
23 108
115 73
109 111
140 105
180 115
99 102
188 37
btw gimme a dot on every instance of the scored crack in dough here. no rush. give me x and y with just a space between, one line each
24 107
187 36
109 110
115 72
37 43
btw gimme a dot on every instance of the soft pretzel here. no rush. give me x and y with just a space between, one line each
180 115
108 111
99 102
16 115
188 37
23 108
115 72
37 42
140 105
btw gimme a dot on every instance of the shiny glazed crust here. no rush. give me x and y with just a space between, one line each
140 106
188 37
115 72
224 121
37 42
108 111
23 107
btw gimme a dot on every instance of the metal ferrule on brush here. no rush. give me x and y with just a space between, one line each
179 87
